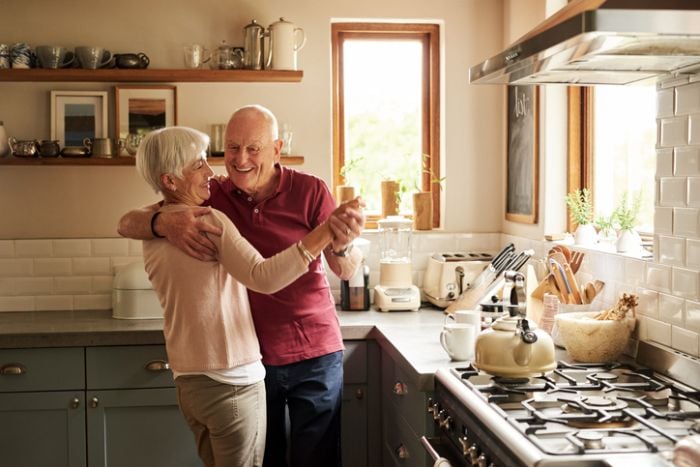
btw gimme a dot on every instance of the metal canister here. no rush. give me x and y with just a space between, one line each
253 35
4 56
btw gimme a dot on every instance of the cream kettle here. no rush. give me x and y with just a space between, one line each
285 41
512 347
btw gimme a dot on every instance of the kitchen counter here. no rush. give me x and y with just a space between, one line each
412 339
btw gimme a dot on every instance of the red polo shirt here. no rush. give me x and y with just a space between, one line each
298 322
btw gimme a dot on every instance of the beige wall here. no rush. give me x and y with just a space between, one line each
55 202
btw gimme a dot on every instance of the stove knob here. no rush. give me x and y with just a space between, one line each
482 461
445 420
433 408
464 442
474 453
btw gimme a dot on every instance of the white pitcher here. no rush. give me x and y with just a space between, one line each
285 40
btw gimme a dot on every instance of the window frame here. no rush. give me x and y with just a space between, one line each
429 35
580 148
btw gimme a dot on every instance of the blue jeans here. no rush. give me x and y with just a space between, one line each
312 389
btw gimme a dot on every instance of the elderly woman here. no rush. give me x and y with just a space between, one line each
209 333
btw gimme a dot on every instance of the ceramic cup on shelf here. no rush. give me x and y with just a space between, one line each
196 55
22 56
93 57
52 56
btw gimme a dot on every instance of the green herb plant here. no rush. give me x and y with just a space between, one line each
626 212
580 206
605 224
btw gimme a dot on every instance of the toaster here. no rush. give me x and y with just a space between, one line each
449 274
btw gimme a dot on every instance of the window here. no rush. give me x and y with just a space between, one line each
386 110
612 137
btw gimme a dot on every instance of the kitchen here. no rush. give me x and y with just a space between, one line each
50 224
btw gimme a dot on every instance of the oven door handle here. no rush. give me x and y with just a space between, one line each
438 460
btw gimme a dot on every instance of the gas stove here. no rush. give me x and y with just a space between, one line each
619 414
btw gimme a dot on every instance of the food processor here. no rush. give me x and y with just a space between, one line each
395 290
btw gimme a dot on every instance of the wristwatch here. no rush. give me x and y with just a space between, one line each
344 252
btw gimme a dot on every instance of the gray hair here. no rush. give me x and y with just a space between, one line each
169 150
265 113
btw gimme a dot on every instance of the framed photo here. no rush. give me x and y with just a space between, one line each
522 157
76 115
140 109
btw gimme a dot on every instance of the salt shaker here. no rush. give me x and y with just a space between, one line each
549 310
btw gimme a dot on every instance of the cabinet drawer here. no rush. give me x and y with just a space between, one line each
46 369
399 390
355 362
402 445
143 366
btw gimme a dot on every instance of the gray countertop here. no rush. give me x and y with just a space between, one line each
412 339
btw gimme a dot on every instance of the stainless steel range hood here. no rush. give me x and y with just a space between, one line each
591 42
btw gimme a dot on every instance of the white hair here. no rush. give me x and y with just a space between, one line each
169 150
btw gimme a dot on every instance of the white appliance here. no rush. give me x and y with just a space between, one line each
133 296
395 290
449 274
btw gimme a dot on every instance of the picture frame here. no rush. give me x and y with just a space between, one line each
141 109
76 115
522 160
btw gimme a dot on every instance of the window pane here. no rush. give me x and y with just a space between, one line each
624 148
382 110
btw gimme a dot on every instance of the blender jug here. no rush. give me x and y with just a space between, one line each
395 290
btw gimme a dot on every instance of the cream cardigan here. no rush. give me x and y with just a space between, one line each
208 325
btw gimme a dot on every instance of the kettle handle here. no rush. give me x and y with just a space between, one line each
297 45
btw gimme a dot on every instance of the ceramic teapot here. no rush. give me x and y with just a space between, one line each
131 60
285 40
23 148
513 347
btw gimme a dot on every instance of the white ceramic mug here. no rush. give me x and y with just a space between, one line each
468 317
458 340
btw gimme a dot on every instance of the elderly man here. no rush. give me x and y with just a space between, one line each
273 207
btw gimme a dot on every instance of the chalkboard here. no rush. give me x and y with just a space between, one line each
522 161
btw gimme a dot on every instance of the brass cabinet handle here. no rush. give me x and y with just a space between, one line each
157 365
94 402
13 369
359 394
75 403
400 389
402 452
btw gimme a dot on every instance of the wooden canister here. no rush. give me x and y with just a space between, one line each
423 210
344 193
390 199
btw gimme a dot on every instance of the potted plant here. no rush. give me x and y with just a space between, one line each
423 200
581 211
606 229
625 217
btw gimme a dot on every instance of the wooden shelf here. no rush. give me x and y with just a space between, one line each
150 75
125 160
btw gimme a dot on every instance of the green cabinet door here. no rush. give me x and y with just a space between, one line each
42 429
138 428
